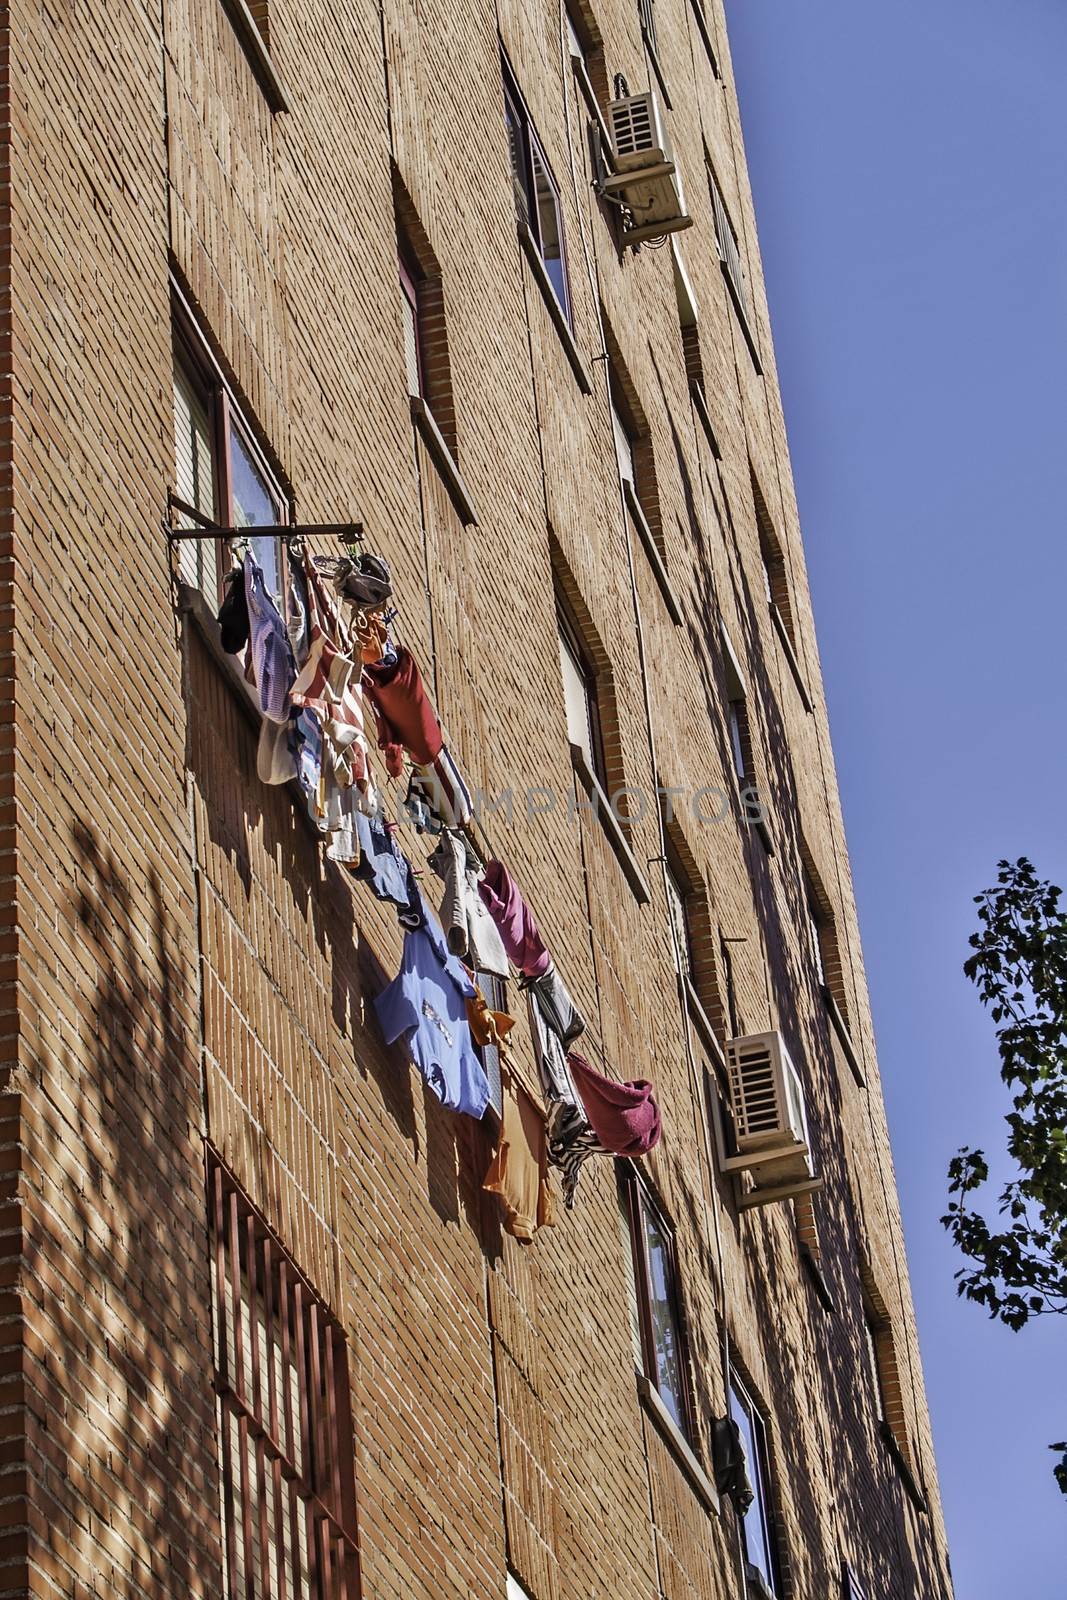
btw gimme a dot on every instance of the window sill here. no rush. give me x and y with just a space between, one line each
818 1281
555 310
701 404
244 25
907 1477
444 461
678 1445
790 655
651 549
843 1036
742 317
610 824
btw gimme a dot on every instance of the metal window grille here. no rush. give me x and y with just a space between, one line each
647 10
284 1416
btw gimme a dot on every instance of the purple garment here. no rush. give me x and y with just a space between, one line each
272 655
426 1001
503 899
624 1116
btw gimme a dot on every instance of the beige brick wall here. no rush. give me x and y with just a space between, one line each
178 959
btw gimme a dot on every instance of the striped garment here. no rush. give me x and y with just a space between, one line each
328 685
439 784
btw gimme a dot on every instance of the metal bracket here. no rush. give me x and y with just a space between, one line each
346 533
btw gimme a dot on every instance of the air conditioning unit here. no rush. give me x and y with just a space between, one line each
770 1122
645 178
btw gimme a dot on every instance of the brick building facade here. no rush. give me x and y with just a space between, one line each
262 1331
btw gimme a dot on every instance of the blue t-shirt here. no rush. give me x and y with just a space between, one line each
427 1002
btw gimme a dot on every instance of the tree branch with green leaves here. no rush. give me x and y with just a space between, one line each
1019 966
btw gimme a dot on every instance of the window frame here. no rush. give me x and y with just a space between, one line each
570 637
228 419
639 1198
527 150
759 1475
311 1480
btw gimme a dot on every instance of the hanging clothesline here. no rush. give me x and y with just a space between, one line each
318 671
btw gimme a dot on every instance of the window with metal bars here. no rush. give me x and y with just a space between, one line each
284 1415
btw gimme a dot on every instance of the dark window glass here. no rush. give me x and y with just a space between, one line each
658 1304
536 194
756 1523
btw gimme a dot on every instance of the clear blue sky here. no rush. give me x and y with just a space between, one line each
909 164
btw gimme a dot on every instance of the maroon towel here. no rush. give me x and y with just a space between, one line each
624 1116
406 719
503 899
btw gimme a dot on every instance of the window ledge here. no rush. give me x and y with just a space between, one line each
252 42
555 310
791 656
655 559
843 1035
678 1445
900 1461
814 1270
611 826
444 461
701 404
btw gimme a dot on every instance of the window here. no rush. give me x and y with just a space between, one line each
625 441
871 1342
823 942
284 1416
731 989
657 1303
730 257
495 994
220 470
580 695
677 904
815 935
536 193
880 1359
737 719
411 312
756 1529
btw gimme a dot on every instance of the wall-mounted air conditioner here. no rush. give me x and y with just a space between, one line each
645 179
770 1125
